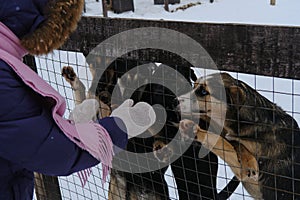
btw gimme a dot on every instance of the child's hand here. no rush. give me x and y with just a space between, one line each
137 118
85 112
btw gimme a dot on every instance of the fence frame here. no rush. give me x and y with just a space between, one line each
253 49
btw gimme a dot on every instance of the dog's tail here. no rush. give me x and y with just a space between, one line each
228 189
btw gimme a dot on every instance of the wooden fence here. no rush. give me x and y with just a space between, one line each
253 49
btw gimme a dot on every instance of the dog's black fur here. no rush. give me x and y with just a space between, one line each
195 177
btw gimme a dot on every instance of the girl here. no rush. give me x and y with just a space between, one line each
33 134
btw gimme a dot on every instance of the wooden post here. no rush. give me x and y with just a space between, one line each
46 187
30 61
84 7
167 5
272 2
104 8
40 191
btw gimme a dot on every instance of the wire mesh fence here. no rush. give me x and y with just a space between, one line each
244 52
182 179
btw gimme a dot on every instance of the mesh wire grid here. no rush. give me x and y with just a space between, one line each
283 92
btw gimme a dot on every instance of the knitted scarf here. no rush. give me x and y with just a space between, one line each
90 136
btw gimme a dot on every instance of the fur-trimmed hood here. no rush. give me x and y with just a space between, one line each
41 25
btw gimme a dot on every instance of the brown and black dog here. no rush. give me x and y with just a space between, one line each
195 177
122 185
258 140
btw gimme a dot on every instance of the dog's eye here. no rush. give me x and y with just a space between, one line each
201 91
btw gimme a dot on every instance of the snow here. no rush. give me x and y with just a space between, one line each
285 12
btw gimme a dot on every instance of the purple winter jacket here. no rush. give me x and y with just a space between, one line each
30 140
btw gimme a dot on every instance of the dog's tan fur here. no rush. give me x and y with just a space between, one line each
80 92
249 132
117 185
244 166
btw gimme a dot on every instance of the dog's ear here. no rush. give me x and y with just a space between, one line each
193 75
237 95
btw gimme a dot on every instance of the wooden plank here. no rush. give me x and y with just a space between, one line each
273 2
253 49
46 187
40 190
166 5
104 8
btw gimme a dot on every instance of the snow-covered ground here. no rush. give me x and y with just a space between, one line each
286 94
285 12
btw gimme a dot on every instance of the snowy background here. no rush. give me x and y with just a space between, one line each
284 92
285 12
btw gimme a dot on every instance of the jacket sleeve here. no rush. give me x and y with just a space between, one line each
29 136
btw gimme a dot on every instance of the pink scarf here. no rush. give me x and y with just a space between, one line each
91 136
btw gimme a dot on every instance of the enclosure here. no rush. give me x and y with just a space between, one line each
265 57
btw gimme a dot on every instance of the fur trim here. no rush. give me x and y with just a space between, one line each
61 20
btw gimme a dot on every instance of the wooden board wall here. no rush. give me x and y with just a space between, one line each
255 49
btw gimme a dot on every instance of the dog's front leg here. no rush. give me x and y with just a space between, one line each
104 110
162 151
79 89
247 159
117 186
222 148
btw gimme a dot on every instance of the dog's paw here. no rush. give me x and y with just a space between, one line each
162 152
187 129
68 73
191 130
249 174
252 171
252 174
248 162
